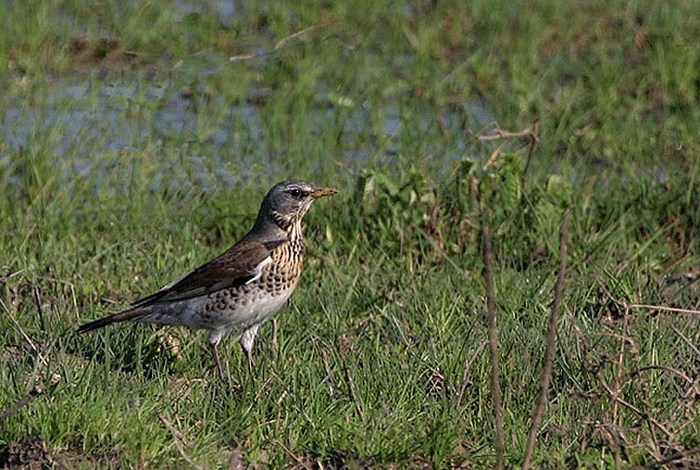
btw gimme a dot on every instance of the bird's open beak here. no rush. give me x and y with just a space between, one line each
320 192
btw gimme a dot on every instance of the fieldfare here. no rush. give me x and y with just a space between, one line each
244 286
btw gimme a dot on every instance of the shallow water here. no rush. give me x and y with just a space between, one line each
89 123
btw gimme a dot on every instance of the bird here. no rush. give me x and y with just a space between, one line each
244 286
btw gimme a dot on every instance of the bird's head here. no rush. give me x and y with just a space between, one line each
288 201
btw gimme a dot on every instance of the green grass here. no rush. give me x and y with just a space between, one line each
380 359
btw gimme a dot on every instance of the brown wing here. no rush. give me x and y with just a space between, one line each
235 266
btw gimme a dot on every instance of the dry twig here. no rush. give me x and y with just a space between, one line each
27 338
38 390
292 454
660 307
279 45
351 389
499 134
178 437
551 343
467 367
615 396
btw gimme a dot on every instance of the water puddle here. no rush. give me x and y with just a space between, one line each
90 122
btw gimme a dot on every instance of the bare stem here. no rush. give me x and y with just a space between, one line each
551 344
279 45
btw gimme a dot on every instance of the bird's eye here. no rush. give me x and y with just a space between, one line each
295 192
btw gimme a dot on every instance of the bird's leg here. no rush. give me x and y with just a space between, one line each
214 339
247 340
275 330
249 355
215 353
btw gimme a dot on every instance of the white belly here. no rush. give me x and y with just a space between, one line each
258 311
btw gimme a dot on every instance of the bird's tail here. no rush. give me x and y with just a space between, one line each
126 315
